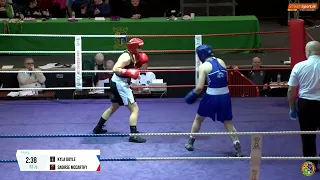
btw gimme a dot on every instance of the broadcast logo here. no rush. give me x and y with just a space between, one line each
308 168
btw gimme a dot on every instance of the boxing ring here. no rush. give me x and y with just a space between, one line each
270 141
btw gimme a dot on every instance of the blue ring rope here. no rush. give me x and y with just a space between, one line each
102 159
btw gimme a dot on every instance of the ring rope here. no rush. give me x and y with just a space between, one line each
142 36
169 70
53 88
147 51
160 134
309 36
191 158
134 87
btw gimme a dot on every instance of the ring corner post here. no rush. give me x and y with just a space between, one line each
297 38
197 42
78 62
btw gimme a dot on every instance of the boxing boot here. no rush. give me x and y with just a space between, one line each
99 130
99 127
137 139
189 145
237 150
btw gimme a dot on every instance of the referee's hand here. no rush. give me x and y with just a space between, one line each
293 114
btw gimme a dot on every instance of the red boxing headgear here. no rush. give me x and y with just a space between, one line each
134 44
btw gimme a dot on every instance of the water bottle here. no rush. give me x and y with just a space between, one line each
73 15
279 78
36 90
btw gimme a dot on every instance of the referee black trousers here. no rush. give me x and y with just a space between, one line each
309 121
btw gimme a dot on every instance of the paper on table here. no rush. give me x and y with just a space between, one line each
7 67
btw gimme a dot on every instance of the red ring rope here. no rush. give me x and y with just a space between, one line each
191 86
309 36
217 50
192 70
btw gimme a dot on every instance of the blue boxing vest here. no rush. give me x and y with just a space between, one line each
217 78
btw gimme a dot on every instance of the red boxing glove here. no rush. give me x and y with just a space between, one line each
131 73
142 58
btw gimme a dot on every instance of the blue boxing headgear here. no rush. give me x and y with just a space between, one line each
204 52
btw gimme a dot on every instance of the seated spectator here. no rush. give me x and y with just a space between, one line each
108 65
6 10
33 10
98 9
95 63
19 6
259 77
104 78
69 7
134 10
45 7
30 79
144 79
59 8
80 8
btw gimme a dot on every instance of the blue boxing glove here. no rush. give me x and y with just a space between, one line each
191 97
293 114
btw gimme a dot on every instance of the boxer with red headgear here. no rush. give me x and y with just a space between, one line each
121 93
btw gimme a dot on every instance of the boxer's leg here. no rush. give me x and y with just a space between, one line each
130 102
195 129
224 114
133 119
234 138
230 128
116 102
206 108
197 124
104 118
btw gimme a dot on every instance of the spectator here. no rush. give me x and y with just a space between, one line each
103 78
19 7
59 9
80 8
31 80
134 10
95 63
69 7
145 78
33 10
6 10
258 77
99 9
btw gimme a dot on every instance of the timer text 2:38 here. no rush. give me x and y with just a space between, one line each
31 160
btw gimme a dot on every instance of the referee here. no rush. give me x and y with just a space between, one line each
306 75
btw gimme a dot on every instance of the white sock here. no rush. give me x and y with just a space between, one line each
235 142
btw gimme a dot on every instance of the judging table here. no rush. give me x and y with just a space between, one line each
148 26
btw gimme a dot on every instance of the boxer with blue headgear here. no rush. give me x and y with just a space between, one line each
204 52
216 103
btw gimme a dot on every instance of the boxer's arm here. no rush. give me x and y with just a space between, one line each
203 72
123 61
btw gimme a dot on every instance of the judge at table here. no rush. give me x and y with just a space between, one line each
31 79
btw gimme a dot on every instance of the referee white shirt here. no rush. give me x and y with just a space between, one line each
144 79
306 75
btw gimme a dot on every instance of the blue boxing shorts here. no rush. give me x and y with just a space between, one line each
216 106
